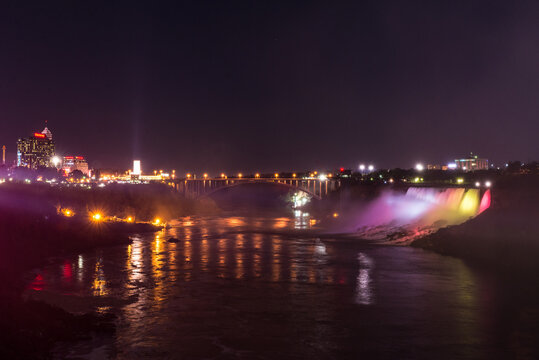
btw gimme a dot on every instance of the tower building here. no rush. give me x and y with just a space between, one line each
36 151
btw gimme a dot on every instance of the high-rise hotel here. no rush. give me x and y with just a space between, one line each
36 151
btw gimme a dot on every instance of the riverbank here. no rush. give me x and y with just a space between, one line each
505 237
32 231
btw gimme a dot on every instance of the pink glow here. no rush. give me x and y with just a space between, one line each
38 283
485 202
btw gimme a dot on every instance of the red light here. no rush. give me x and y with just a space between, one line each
68 157
342 169
79 157
39 135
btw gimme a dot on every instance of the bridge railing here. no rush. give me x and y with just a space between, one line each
198 187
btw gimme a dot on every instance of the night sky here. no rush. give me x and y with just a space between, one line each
273 85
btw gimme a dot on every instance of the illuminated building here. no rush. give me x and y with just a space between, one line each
472 163
47 132
36 151
72 163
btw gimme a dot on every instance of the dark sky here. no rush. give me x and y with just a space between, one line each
273 85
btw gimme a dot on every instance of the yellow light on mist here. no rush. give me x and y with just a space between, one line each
470 202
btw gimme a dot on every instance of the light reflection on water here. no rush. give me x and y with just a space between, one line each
224 289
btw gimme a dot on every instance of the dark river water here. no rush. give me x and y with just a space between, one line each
254 288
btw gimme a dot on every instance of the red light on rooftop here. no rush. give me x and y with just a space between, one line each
39 135
342 169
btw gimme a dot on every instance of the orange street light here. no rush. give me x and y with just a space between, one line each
97 216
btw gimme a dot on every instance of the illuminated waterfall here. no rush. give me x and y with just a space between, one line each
464 201
418 212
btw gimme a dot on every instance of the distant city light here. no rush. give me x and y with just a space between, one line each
257 175
460 180
488 183
136 167
362 167
157 221
452 166
419 167
56 161
371 167
322 177
477 184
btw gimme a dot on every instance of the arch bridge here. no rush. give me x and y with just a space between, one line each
194 188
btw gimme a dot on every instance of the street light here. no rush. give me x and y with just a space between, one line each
257 175
419 167
205 175
371 168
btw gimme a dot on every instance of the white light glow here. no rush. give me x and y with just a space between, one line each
136 168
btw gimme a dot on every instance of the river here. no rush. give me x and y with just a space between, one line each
256 288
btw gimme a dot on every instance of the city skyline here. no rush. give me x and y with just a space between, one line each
361 167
